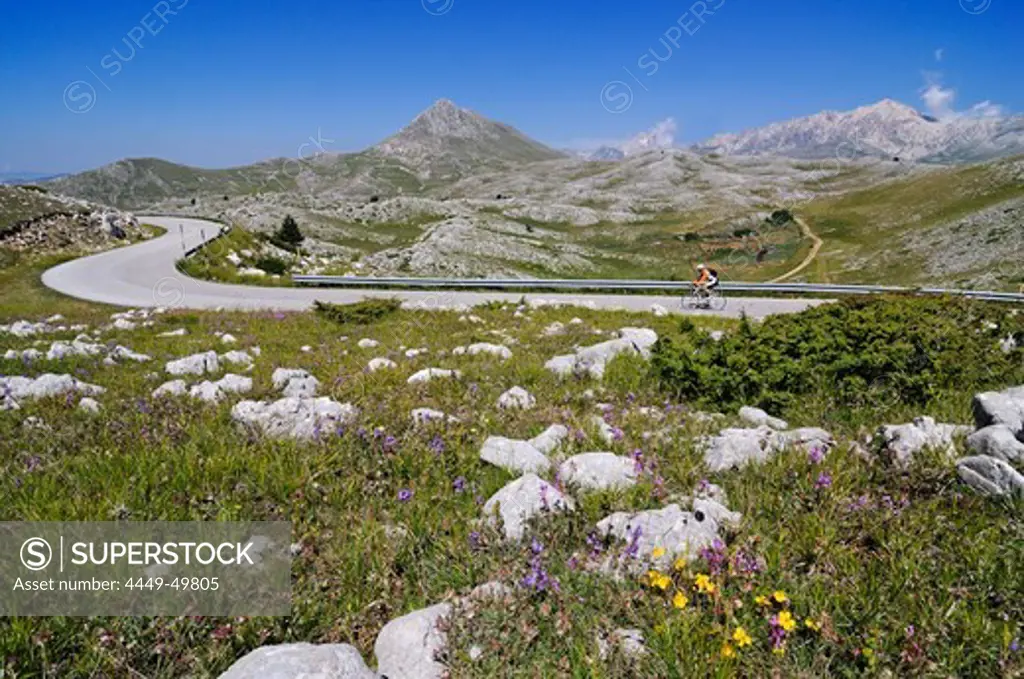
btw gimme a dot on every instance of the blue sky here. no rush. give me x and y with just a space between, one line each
227 82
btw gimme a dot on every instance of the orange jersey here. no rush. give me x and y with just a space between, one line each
705 276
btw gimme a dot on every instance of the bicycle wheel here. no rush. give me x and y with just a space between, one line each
717 300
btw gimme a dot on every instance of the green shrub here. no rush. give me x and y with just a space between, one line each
272 265
361 313
780 218
862 352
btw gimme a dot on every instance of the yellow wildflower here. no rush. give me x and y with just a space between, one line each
704 584
761 600
780 596
741 637
680 564
812 624
658 552
728 651
779 650
680 600
659 580
786 621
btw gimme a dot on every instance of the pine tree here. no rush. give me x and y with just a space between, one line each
289 232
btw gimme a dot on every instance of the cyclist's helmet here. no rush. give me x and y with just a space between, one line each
701 267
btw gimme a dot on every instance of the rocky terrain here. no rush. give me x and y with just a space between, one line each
887 129
36 221
454 193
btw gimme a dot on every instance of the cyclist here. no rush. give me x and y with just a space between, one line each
707 280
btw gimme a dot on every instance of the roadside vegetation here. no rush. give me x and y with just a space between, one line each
866 570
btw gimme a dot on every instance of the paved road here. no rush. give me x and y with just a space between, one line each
144 275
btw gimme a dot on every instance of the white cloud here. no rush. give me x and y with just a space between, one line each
985 109
661 136
940 102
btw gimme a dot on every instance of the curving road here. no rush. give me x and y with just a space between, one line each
144 275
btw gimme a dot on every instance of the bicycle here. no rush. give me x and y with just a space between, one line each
711 299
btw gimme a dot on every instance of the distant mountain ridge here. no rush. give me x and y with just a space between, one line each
440 146
887 128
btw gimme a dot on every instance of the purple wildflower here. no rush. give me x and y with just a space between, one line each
595 544
459 484
824 481
390 443
634 543
536 547
638 461
715 556
404 495
33 463
474 539
437 444
1015 645
816 454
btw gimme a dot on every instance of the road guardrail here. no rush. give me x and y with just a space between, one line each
613 285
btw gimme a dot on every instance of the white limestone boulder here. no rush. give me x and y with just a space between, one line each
518 457
598 471
408 647
301 661
990 476
900 442
997 441
196 364
295 382
550 439
522 500
293 417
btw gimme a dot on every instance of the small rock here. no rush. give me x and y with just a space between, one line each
997 441
659 310
423 416
180 332
990 476
549 440
757 417
428 374
1001 407
407 647
228 338
517 398
367 343
380 364
237 358
172 388
89 405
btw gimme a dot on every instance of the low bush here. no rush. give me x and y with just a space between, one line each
891 350
361 313
272 265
